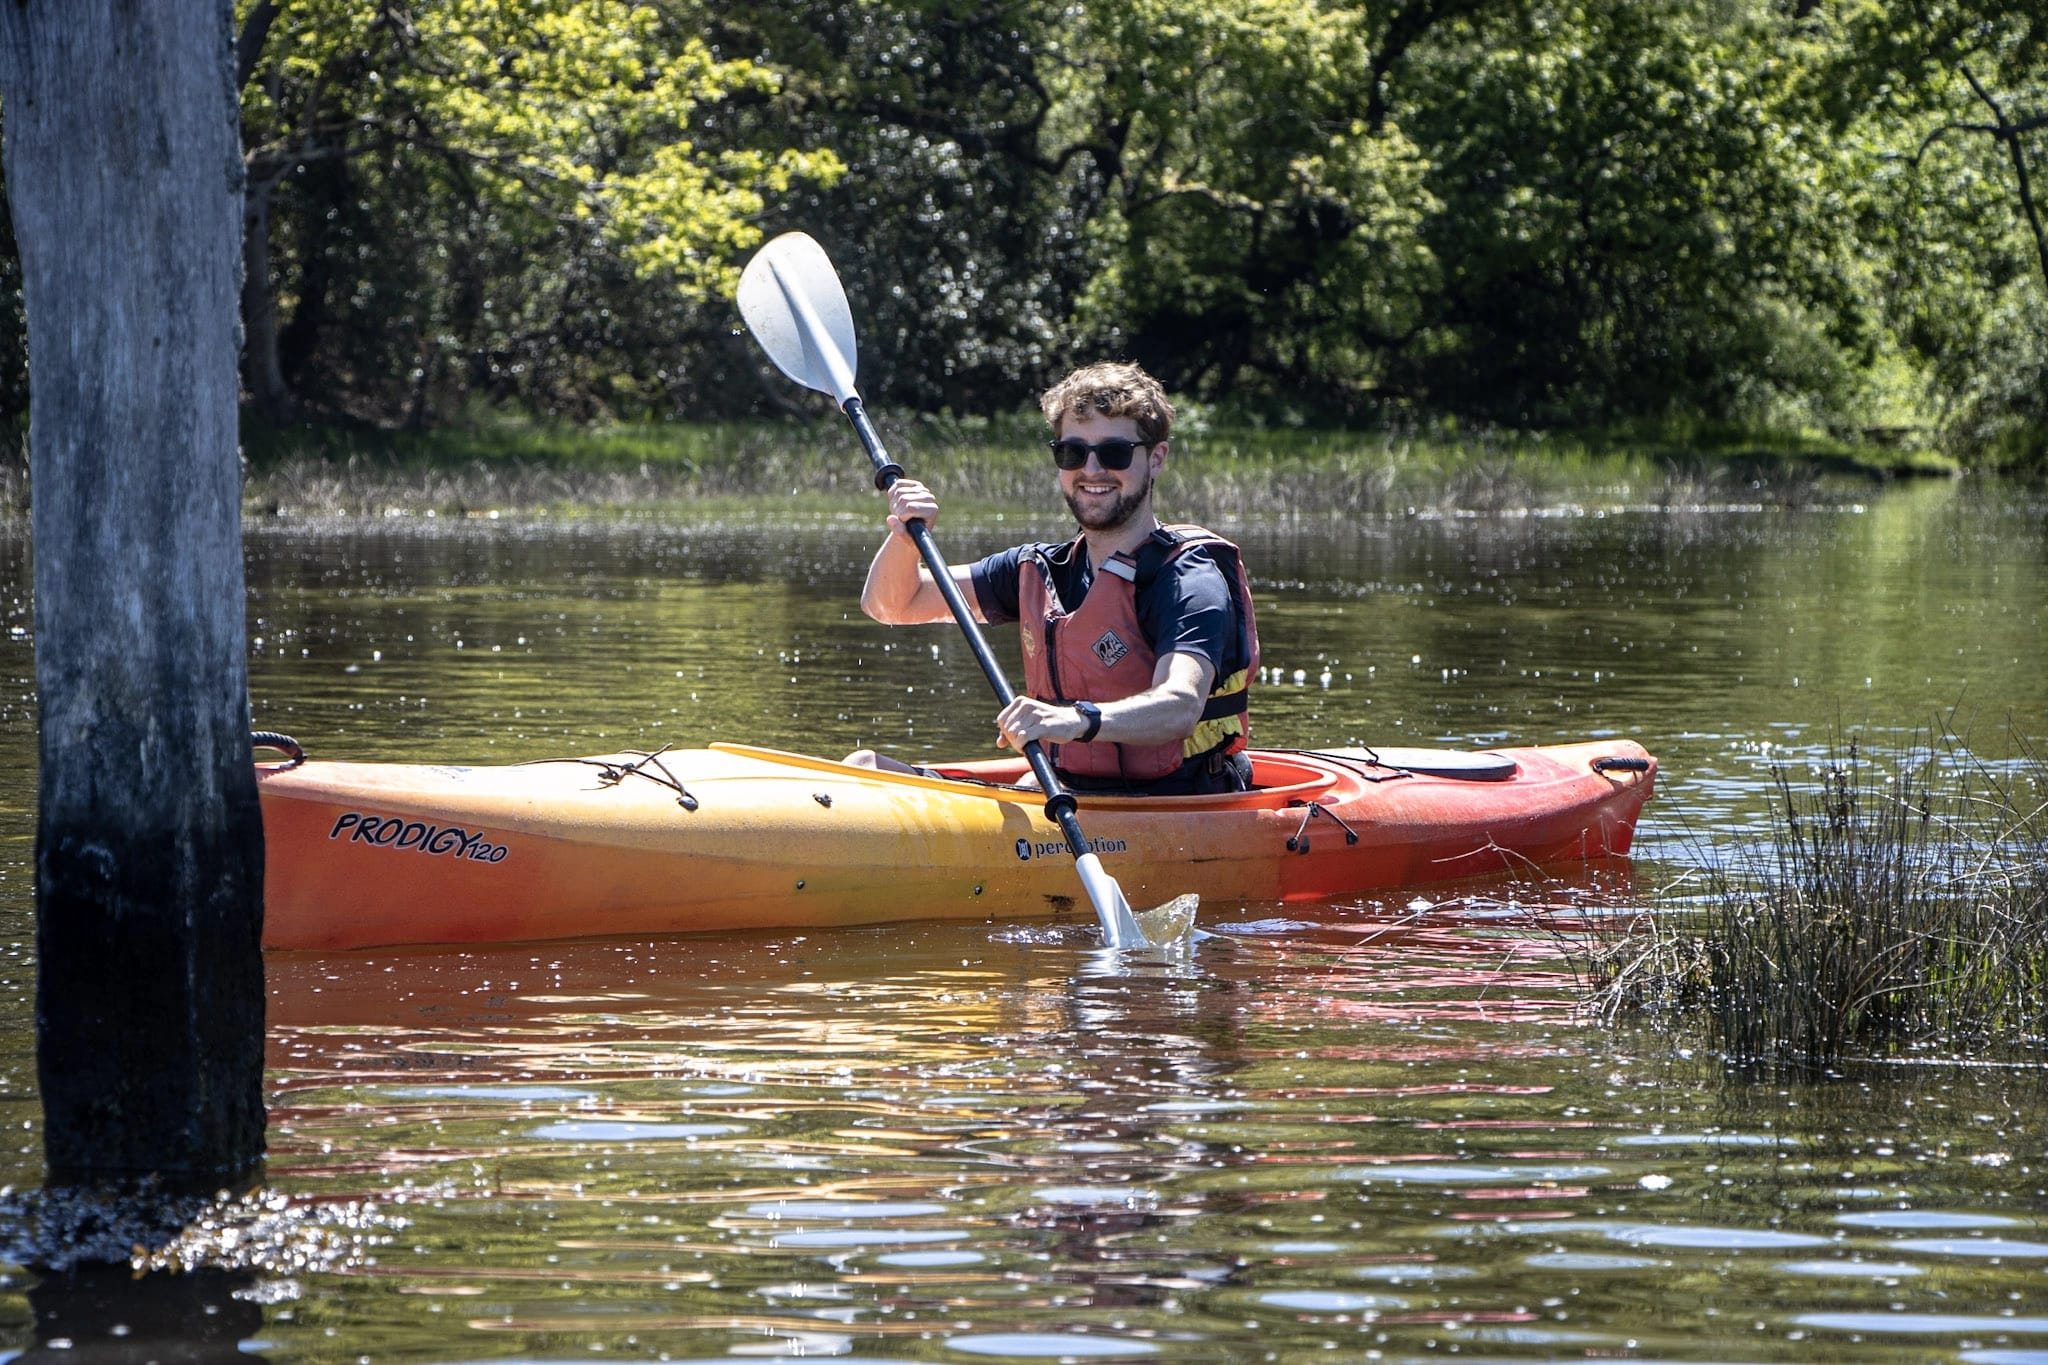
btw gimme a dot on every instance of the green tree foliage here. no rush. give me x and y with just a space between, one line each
1634 218
1821 213
1946 104
498 198
1261 221
958 227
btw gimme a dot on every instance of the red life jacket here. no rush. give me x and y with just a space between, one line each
1098 652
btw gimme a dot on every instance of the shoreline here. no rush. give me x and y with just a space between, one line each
525 470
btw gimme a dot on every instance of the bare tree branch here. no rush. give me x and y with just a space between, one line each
2009 134
249 45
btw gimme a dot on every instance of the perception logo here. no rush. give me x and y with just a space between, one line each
1028 849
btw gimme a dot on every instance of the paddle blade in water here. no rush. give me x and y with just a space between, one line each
794 305
1119 926
1166 925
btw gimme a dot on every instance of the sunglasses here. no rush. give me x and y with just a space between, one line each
1113 454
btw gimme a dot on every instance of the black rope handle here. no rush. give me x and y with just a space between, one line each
611 774
294 752
1621 765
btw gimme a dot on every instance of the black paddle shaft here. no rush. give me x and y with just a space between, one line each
1059 802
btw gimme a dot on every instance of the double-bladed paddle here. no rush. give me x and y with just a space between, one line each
796 308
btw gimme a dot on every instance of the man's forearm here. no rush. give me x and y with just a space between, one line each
1168 710
1157 716
893 582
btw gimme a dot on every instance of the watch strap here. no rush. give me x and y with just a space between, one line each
1091 713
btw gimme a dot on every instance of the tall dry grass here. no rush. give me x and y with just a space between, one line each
492 462
1284 474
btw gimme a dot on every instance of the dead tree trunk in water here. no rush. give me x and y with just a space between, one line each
124 169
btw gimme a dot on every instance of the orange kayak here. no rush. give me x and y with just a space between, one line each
737 837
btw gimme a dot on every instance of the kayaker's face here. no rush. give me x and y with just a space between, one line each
1104 499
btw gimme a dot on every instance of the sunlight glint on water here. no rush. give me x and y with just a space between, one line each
1381 1126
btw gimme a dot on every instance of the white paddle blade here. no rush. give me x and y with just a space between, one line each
795 307
1119 926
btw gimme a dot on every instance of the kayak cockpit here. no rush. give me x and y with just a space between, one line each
1282 780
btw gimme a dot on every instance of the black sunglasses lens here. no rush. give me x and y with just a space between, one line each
1113 454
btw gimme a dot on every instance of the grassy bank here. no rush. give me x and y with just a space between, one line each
1217 469
1897 910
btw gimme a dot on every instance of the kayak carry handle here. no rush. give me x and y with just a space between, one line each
1610 764
294 752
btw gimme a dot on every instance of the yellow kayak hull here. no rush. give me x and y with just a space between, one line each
737 837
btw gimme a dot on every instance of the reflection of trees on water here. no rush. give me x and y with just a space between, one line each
108 1315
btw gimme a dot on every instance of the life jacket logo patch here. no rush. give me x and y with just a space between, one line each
1110 649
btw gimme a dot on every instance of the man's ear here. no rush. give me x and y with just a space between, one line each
1158 457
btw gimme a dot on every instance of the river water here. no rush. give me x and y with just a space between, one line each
1375 1130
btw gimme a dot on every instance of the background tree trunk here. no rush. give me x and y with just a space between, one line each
124 168
262 368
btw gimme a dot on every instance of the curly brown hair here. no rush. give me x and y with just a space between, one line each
1110 388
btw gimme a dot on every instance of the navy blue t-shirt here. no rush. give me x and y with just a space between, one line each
1187 608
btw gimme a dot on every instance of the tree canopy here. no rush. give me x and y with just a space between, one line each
1817 213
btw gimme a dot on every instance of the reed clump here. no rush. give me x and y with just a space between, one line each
1895 910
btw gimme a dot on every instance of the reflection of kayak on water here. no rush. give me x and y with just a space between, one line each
736 837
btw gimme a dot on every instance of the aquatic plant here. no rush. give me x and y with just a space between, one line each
1895 910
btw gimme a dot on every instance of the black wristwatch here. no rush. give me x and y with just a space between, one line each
1091 713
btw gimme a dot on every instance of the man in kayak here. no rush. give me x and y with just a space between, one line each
1139 639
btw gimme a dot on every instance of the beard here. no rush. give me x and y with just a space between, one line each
1116 514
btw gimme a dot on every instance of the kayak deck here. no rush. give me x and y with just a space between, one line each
738 837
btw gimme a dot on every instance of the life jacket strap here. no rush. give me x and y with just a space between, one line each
1221 704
